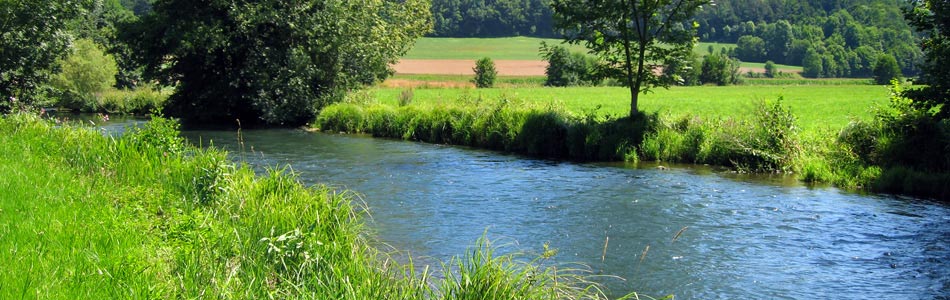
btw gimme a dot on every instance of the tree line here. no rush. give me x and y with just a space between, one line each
828 38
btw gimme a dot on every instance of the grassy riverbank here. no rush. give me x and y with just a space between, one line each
146 216
778 129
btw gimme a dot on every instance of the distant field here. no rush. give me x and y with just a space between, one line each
522 48
510 48
817 107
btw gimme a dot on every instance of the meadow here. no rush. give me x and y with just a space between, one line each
816 106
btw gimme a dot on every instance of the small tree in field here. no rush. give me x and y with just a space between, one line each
485 73
633 37
771 71
885 69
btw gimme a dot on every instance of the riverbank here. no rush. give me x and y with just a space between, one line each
796 135
145 215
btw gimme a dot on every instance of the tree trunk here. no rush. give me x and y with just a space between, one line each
633 80
635 89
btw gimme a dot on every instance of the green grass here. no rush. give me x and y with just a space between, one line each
817 107
86 216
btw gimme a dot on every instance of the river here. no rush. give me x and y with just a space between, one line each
740 237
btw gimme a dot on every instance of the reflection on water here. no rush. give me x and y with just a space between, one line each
744 238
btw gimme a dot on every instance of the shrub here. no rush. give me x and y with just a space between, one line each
485 73
771 71
567 68
886 69
719 69
142 101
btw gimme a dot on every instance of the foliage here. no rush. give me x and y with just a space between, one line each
101 24
485 73
632 37
719 69
770 70
273 62
145 215
886 69
766 143
932 18
685 70
567 68
85 74
750 48
470 18
143 100
812 65
848 35
33 37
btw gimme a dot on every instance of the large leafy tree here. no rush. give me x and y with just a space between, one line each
33 37
270 61
634 37
932 18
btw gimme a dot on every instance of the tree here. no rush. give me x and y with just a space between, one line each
886 69
812 66
566 68
932 18
485 73
270 61
719 69
633 37
33 37
88 70
750 48
778 39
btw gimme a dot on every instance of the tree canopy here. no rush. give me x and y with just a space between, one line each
633 37
33 37
271 61
478 18
932 18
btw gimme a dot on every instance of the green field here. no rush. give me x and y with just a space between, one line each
817 107
522 48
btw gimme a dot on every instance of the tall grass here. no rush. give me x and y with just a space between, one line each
498 124
766 142
85 216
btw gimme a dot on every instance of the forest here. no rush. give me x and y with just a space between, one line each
827 38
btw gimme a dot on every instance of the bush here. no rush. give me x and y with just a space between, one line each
485 73
886 69
142 101
567 68
771 71
719 69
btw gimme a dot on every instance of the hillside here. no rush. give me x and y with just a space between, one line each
835 38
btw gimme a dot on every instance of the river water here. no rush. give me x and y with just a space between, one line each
740 237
